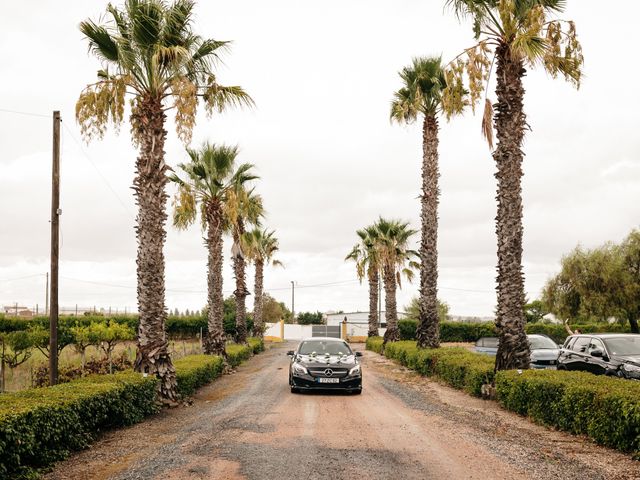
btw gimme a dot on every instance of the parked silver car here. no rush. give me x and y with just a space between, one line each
544 351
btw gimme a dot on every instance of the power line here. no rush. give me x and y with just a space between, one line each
29 114
86 155
7 280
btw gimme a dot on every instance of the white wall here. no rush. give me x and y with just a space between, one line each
291 332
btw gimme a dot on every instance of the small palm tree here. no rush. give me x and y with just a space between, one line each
396 259
260 246
512 34
148 50
421 95
365 256
241 208
210 179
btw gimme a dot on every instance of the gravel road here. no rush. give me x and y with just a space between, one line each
249 426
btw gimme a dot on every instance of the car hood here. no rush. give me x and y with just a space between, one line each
634 359
545 354
323 360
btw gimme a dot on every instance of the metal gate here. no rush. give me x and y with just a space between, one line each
325 331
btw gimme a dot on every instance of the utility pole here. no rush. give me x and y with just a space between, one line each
55 246
379 303
293 303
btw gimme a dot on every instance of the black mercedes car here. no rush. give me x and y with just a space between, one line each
321 363
602 354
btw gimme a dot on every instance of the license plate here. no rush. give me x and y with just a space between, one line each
328 380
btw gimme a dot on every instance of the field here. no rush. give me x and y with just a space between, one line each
22 377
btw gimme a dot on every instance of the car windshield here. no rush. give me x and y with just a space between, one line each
623 345
539 343
322 347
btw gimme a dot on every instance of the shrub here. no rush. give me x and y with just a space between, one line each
257 344
607 409
236 354
458 367
195 371
43 425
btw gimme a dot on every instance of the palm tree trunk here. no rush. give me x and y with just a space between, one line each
510 122
258 325
241 292
392 334
149 186
428 331
374 281
214 342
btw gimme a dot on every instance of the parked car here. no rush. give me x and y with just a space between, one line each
602 354
325 363
544 351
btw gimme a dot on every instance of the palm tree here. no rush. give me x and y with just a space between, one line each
512 34
148 51
364 254
421 94
260 246
210 179
396 259
242 207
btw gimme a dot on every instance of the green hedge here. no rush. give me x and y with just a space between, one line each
194 371
471 332
43 425
458 367
607 409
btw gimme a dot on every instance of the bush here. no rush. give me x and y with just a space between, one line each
194 371
607 409
43 425
257 344
471 332
458 367
236 354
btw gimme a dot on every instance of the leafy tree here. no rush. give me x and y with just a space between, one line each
512 34
16 349
534 311
365 256
274 311
413 310
260 246
83 338
109 335
396 259
597 284
309 318
210 179
421 96
148 50
40 337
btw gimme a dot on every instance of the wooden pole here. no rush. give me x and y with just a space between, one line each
55 244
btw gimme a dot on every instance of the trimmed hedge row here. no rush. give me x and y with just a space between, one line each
607 409
456 366
471 332
194 371
43 425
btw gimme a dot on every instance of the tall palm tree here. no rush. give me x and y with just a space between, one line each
148 50
396 259
365 256
512 34
209 180
242 207
260 245
421 95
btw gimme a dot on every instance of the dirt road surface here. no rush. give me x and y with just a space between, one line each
249 426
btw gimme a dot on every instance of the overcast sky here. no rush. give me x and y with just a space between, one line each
322 75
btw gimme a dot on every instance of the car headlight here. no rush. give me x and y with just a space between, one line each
631 368
355 371
299 369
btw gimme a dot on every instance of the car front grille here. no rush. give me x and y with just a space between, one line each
322 372
544 362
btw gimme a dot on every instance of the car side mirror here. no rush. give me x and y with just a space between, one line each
358 354
597 353
291 353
